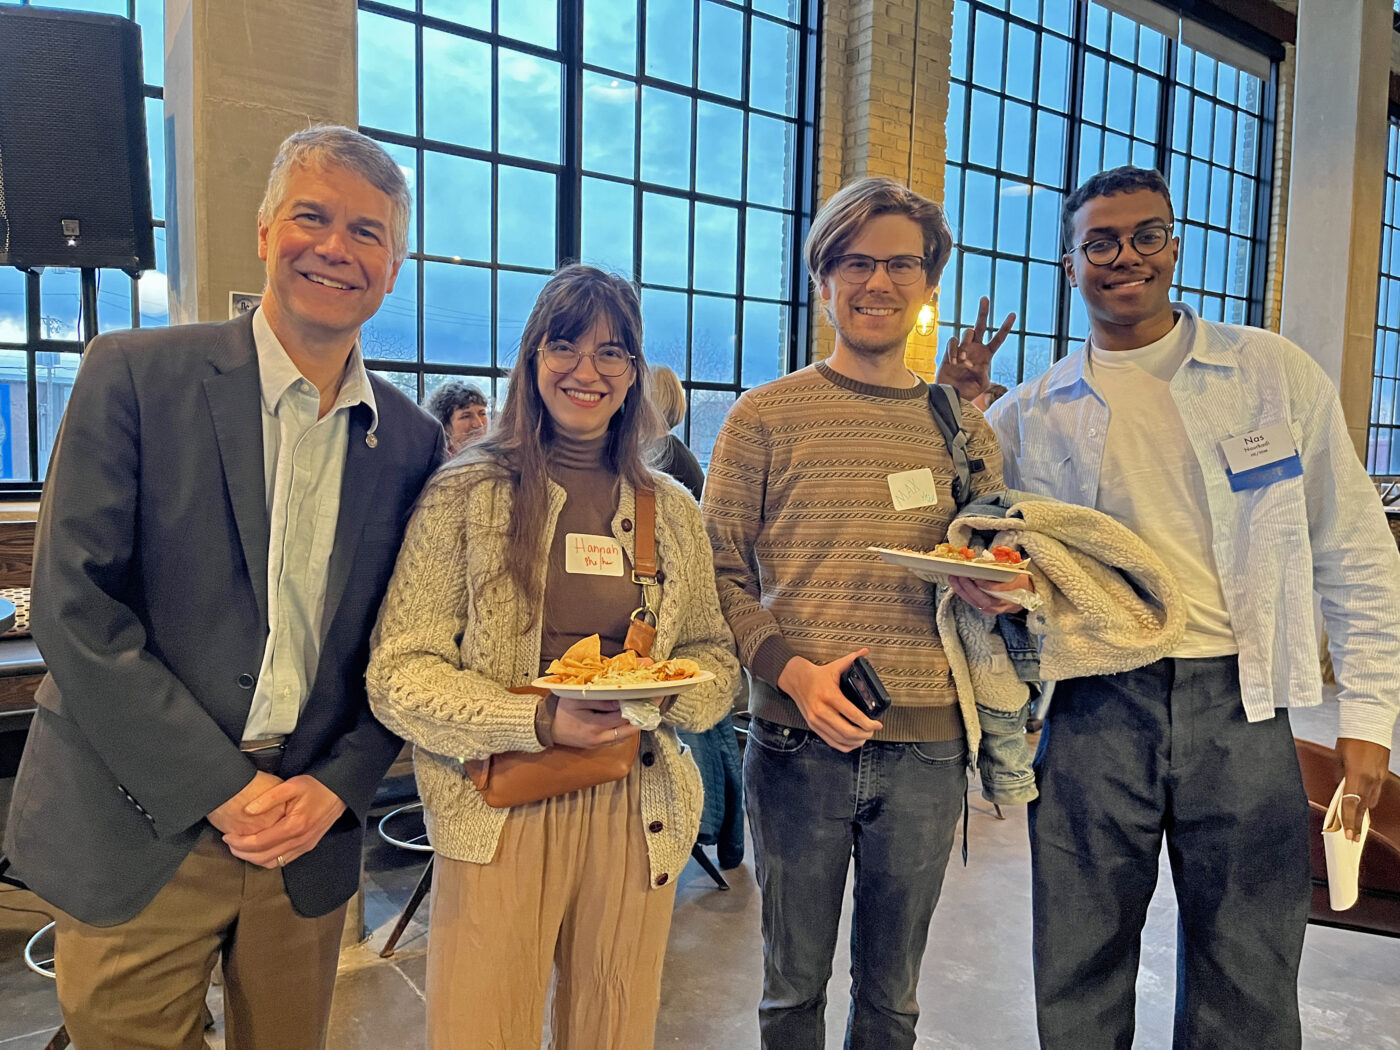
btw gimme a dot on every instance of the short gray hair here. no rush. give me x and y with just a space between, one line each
356 153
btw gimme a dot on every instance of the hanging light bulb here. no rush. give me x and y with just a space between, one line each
924 325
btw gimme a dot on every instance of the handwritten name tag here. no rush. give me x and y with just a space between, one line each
1261 457
913 488
592 555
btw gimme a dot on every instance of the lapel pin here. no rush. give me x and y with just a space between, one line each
371 440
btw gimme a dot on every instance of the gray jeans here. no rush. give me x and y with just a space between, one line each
896 808
1165 753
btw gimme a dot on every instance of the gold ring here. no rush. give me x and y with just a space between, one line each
281 863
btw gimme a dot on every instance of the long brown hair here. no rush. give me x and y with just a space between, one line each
575 299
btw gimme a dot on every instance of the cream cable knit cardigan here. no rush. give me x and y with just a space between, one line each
451 639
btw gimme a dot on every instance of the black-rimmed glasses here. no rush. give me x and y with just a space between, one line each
857 269
1104 251
562 357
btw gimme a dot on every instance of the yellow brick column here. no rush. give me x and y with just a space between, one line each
884 107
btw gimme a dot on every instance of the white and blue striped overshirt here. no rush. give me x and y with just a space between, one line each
1276 546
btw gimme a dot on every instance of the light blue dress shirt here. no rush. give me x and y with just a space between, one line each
1275 547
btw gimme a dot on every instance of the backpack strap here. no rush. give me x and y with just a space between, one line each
946 407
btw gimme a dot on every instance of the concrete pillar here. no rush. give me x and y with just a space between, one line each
1336 186
883 63
240 75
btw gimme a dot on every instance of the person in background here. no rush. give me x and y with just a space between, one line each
988 397
219 524
489 590
461 409
807 472
1225 448
673 457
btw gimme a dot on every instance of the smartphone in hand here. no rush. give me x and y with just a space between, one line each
862 687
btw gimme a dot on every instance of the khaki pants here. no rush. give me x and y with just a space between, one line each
141 984
568 891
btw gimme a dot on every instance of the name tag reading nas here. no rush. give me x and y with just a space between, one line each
913 488
1261 458
592 555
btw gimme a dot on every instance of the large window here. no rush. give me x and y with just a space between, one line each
1045 93
40 332
1383 434
667 140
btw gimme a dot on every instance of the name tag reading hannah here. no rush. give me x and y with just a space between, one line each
592 555
1261 458
913 488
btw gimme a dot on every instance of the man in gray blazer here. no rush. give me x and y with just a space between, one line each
220 520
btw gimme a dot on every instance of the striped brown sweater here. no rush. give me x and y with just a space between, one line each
797 489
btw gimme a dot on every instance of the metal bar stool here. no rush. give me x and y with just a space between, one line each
417 842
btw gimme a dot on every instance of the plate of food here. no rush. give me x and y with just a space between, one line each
994 563
585 673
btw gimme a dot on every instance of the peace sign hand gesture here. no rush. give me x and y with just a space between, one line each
967 362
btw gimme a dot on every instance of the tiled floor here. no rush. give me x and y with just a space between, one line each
975 988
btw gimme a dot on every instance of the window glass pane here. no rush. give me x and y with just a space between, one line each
610 34
765 342
456 314
155 148
150 15
457 206
474 13
665 239
707 411
770 161
456 89
14 415
670 31
719 153
712 339
607 225
113 300
609 124
405 382
54 374
534 21
526 215
407 159
665 138
515 298
531 99
1020 71
664 328
392 333
721 49
386 50
716 248
766 247
779 8
153 290
773 67
12 323
60 303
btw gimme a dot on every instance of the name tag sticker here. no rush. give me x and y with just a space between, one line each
913 488
1261 458
592 555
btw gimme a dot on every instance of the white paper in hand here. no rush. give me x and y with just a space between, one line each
1343 855
641 713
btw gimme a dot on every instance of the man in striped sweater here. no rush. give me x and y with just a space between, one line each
807 472
1225 448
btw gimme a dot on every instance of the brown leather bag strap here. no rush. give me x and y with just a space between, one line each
644 561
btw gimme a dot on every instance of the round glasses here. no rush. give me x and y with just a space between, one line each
563 358
857 269
1104 251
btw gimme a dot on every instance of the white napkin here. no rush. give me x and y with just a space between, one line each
1343 855
641 713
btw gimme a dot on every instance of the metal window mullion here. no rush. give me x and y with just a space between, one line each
1078 49
800 319
691 202
741 271
569 184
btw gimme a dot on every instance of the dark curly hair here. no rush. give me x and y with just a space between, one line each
1126 179
444 402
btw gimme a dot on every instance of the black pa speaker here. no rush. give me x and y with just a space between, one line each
74 176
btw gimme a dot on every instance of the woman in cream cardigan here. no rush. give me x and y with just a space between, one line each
483 598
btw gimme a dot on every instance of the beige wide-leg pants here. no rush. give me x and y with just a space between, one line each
568 889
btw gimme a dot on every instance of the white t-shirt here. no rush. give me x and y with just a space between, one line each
1151 482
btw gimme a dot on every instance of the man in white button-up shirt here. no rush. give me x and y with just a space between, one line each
220 521
1226 449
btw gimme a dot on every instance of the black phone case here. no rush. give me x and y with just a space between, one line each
862 687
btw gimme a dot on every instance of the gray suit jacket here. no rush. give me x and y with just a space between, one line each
150 609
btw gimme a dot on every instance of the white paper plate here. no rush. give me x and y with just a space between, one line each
643 691
929 567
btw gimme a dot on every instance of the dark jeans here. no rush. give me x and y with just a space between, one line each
896 806
1124 761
